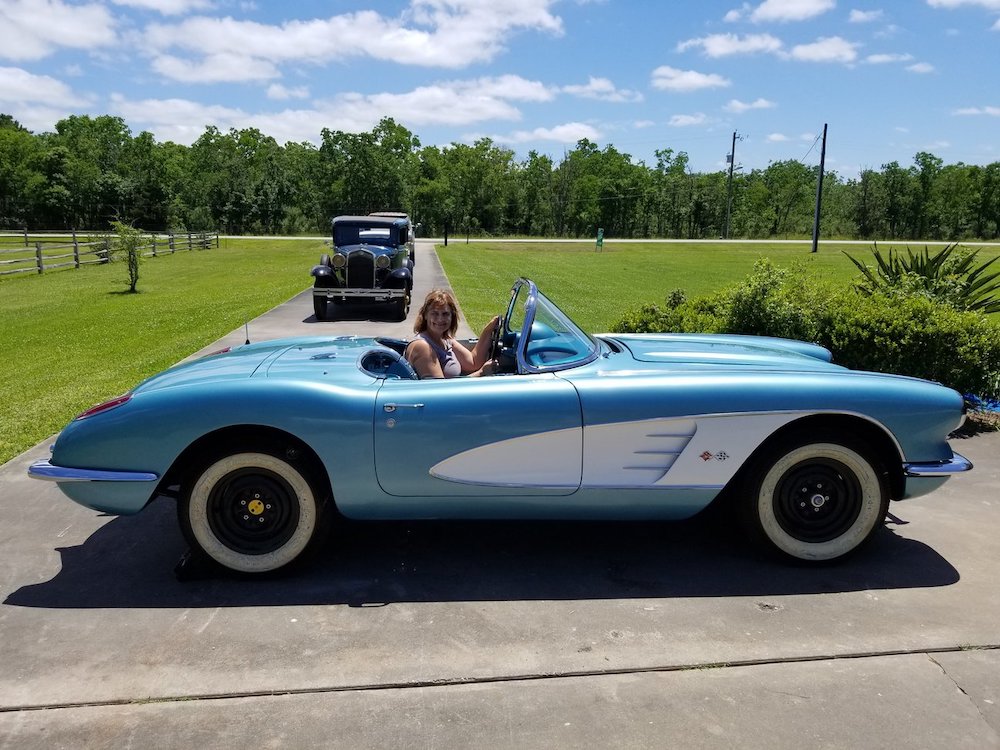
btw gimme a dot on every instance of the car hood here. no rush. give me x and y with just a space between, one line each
295 357
726 350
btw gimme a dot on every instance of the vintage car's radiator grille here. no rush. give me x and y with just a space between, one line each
361 270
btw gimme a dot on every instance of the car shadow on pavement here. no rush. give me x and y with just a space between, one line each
129 562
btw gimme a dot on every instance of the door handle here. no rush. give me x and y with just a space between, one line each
390 408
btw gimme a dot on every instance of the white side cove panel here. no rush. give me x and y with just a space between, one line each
547 459
701 452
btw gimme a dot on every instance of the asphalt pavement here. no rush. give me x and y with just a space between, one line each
502 635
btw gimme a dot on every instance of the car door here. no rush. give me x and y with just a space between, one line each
504 435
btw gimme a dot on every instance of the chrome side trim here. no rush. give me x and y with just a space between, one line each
44 469
956 465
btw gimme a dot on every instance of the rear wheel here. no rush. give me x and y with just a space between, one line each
252 512
815 501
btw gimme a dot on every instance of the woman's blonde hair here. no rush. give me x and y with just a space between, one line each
437 297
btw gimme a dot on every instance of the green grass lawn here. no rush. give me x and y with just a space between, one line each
73 338
595 288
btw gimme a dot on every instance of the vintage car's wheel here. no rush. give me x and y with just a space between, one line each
815 501
251 512
401 307
321 306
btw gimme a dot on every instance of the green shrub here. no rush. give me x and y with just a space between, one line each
907 334
915 336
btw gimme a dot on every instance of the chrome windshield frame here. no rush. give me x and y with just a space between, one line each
534 301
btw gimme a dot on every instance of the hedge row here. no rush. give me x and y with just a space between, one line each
903 333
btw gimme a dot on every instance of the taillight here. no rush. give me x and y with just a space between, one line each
220 351
106 406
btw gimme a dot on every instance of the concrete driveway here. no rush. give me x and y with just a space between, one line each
500 635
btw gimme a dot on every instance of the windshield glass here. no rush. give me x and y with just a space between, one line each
353 234
543 335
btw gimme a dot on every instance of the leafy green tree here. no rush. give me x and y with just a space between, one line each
127 248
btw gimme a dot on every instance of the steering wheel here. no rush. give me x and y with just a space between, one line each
495 339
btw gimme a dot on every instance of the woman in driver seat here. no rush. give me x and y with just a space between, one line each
436 353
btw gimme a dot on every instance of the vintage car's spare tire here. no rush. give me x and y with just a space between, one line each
815 501
251 512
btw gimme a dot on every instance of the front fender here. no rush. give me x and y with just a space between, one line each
322 272
400 278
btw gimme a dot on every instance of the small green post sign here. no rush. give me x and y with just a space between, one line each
600 239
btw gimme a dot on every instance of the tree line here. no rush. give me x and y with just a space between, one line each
91 171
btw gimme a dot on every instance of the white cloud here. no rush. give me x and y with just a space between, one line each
167 7
992 111
571 132
603 90
666 78
864 16
790 10
882 59
723 45
735 105
826 49
18 86
640 124
224 67
949 4
34 29
684 121
279 93
777 138
920 68
431 33
450 103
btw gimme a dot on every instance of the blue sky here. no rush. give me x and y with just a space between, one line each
889 78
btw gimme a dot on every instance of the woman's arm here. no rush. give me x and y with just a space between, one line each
423 359
477 362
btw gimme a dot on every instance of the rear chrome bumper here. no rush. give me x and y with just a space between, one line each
44 469
956 465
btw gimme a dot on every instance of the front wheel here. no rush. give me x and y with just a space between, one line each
401 307
815 502
321 306
251 512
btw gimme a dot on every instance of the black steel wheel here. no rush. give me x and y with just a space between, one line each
816 502
251 512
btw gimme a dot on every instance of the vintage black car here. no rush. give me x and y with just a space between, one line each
370 264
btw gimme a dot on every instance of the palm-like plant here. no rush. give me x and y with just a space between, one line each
948 275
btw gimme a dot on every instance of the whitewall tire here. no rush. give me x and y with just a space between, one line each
816 502
251 512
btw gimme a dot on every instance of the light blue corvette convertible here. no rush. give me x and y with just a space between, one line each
261 444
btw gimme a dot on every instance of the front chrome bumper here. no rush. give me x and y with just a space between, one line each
44 469
956 465
376 295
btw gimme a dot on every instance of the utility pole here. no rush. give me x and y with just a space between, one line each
731 158
819 191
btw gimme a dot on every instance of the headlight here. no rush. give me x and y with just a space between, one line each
339 260
382 261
